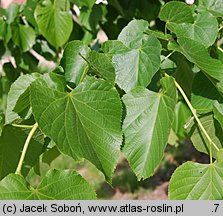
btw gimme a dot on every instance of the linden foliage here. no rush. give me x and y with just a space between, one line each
128 94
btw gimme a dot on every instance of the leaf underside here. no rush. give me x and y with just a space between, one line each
85 123
194 181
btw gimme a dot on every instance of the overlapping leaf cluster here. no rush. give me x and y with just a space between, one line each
121 98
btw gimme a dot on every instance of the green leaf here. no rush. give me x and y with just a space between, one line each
117 5
88 3
204 94
195 52
183 73
1 122
5 30
54 21
56 185
50 155
12 141
213 129
90 17
12 12
218 112
18 99
132 35
28 12
102 65
84 123
213 6
159 34
26 62
73 61
182 115
114 47
23 36
203 30
136 66
11 73
176 12
147 125
219 157
194 181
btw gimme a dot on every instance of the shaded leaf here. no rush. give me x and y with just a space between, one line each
89 17
214 131
23 36
182 115
12 141
28 12
218 112
195 52
159 34
5 31
50 155
73 63
183 73
204 94
102 65
88 3
18 99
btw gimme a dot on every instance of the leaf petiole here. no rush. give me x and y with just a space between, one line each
193 111
26 145
22 126
166 57
69 87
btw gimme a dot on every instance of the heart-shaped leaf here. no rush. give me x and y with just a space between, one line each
84 123
148 121
54 21
140 61
131 36
56 185
176 12
203 30
194 181
213 6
